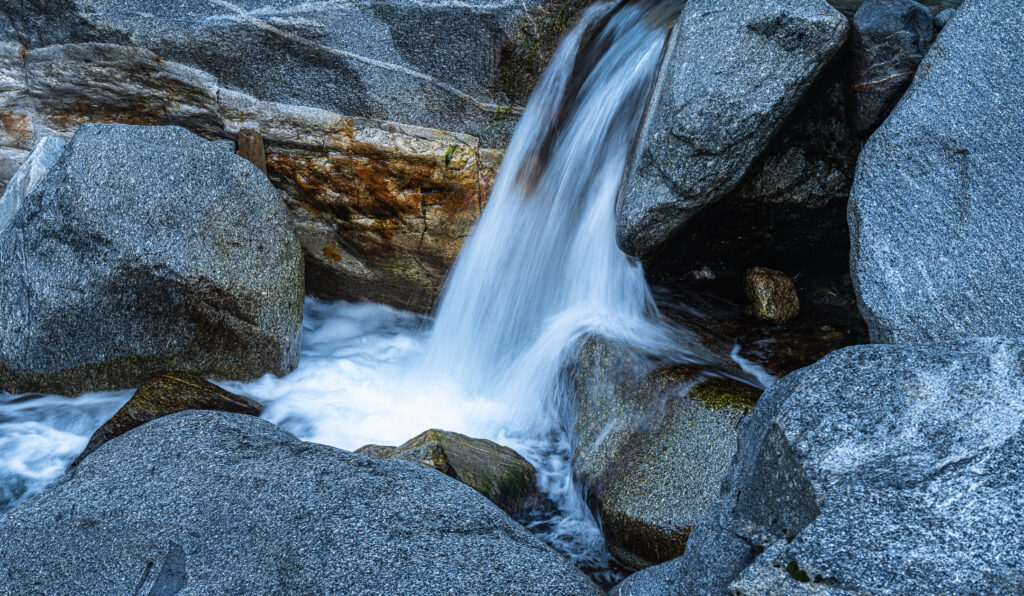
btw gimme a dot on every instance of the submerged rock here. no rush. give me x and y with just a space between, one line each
771 294
165 395
146 249
204 502
880 469
935 212
653 444
495 471
733 75
889 40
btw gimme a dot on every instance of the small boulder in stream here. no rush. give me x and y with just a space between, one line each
878 470
495 471
142 250
653 443
165 395
204 502
771 295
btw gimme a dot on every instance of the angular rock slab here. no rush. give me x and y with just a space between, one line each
881 470
734 73
207 502
142 250
445 64
935 211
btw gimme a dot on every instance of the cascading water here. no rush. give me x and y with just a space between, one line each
540 272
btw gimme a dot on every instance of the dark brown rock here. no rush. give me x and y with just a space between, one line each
771 294
495 471
250 146
164 395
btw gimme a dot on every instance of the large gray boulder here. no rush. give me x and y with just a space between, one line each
935 212
443 64
207 502
653 443
146 249
878 470
733 75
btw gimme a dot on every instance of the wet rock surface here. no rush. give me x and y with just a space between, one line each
495 471
653 444
715 310
207 502
771 295
920 444
145 249
733 74
935 215
889 38
165 395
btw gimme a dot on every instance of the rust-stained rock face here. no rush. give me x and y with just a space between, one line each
382 212
381 208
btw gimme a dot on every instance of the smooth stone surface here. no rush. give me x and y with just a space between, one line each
653 443
164 395
733 75
495 471
205 502
935 212
659 580
889 38
880 469
146 249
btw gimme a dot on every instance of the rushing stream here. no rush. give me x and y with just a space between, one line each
540 271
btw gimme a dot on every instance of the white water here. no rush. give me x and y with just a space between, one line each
540 272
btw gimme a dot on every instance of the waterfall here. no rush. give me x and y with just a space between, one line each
540 271
542 264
